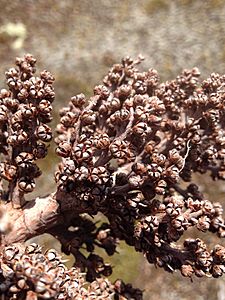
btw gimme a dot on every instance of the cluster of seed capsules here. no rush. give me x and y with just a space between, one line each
127 149
28 273
147 134
156 234
25 110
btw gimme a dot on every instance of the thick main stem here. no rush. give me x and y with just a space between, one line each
34 218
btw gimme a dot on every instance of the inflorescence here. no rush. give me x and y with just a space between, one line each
128 152
25 110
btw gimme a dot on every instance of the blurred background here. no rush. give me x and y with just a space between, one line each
78 40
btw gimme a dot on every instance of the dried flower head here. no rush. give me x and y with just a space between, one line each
136 140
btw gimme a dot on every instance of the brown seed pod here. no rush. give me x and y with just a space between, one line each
78 100
88 117
26 184
27 110
3 113
101 141
8 171
154 171
161 187
33 248
81 173
10 252
99 175
44 133
119 149
40 151
12 104
69 119
24 159
17 120
45 107
141 129
52 254
83 151
114 104
187 270
63 149
102 91
18 138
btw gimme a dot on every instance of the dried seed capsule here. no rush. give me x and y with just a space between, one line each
139 168
45 107
64 149
141 128
154 171
7 171
88 117
17 120
203 223
27 110
3 113
51 254
33 248
154 120
83 152
124 91
81 173
101 141
18 138
218 270
99 175
44 133
140 87
10 252
114 104
119 149
26 185
159 159
171 174
40 287
104 108
161 187
69 166
14 289
22 284
102 91
12 104
69 119
78 100
40 151
157 104
47 77
24 159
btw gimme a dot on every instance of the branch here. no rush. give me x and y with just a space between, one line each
35 218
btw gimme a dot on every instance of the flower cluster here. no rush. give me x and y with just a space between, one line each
25 110
128 149
27 272
128 152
